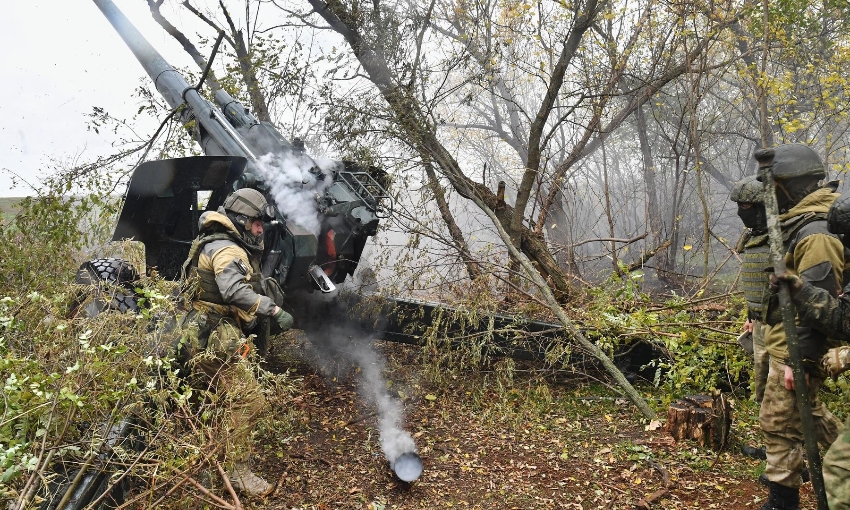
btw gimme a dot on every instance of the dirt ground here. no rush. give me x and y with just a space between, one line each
538 443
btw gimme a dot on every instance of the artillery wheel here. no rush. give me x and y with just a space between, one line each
110 283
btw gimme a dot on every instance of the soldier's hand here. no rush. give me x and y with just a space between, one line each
284 320
794 282
836 361
789 379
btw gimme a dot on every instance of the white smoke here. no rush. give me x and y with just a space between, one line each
394 439
294 186
334 350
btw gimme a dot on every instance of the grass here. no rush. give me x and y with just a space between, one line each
9 207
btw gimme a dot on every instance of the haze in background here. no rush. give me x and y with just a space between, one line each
59 60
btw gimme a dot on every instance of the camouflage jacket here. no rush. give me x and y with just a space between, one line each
227 273
831 314
817 256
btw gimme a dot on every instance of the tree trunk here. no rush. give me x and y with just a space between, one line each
702 418
472 267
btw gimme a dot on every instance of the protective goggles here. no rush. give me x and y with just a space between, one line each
268 213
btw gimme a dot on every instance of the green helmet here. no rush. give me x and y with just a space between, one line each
747 191
249 203
793 160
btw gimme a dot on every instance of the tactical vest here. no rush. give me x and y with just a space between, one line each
790 227
754 280
207 288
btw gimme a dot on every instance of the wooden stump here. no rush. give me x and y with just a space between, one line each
705 419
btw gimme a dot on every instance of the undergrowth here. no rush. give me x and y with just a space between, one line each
68 378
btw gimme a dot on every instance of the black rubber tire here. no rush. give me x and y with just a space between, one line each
112 282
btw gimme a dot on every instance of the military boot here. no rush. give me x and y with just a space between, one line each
245 481
804 475
782 498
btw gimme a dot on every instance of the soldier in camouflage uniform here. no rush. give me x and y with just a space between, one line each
227 298
817 256
832 316
755 254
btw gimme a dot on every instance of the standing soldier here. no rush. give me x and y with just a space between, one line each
817 256
755 254
832 316
226 297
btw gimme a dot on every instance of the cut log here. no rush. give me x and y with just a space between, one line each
703 418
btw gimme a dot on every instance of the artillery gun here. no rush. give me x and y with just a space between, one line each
161 205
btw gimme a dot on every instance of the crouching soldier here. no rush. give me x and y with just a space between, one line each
227 300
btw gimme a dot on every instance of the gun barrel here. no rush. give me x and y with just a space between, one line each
221 138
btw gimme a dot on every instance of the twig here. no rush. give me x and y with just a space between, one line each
695 301
646 504
236 502
358 419
220 502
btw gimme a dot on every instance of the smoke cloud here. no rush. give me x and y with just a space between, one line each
295 180
335 351
394 439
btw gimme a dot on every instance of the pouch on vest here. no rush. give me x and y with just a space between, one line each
272 290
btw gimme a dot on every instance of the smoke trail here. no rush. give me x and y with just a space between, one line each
333 349
295 180
394 439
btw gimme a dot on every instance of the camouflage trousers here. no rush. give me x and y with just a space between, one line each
780 423
836 471
761 360
220 367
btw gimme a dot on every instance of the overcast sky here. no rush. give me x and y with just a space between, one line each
58 60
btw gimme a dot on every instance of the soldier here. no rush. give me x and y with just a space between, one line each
817 256
755 250
832 316
227 299
755 253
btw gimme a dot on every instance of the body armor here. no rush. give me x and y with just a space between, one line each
790 227
754 280
207 288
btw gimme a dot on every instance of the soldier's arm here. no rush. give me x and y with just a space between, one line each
819 261
830 314
232 271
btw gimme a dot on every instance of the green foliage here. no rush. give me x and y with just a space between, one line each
67 378
696 347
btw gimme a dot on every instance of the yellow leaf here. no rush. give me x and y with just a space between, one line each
687 247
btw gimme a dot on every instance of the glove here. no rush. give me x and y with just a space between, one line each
794 282
836 361
284 320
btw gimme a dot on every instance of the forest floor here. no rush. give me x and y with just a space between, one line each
539 440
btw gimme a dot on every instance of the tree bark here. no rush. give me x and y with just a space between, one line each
422 136
460 244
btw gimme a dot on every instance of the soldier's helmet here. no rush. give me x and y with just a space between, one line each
794 160
249 203
747 191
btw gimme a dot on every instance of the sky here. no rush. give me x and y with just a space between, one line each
59 59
